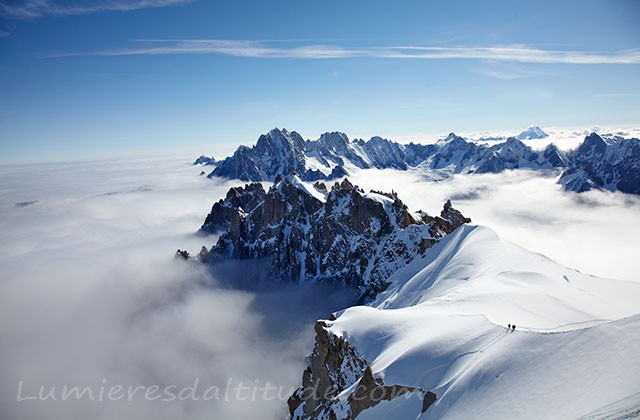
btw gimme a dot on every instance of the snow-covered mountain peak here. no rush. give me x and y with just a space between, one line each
515 145
334 139
451 137
377 140
514 141
532 133
594 142
282 137
556 157
452 142
276 132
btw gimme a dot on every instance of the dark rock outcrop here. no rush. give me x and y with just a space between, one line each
278 151
370 392
333 367
556 157
310 233
182 254
230 210
610 164
512 154
204 160
452 217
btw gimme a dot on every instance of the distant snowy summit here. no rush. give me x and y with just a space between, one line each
318 233
532 133
333 155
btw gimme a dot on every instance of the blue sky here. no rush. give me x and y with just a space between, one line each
112 77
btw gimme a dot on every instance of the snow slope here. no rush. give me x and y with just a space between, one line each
441 326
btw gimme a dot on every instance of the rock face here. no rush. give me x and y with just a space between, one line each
556 157
281 151
461 156
313 233
238 202
611 164
333 367
512 154
204 160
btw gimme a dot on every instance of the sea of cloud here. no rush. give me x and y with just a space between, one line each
91 296
595 232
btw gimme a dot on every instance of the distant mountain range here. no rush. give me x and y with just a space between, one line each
612 163
532 133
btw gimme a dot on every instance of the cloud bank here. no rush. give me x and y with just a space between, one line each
92 297
263 49
591 232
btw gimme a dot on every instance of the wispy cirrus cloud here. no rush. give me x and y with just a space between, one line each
31 9
508 71
263 49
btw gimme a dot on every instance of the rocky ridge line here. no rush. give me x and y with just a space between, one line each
314 233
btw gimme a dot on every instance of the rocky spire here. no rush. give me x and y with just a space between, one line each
311 234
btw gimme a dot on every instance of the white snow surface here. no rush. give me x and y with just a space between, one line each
312 163
379 198
303 186
442 326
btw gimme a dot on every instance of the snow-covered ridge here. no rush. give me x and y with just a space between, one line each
331 156
440 331
312 233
